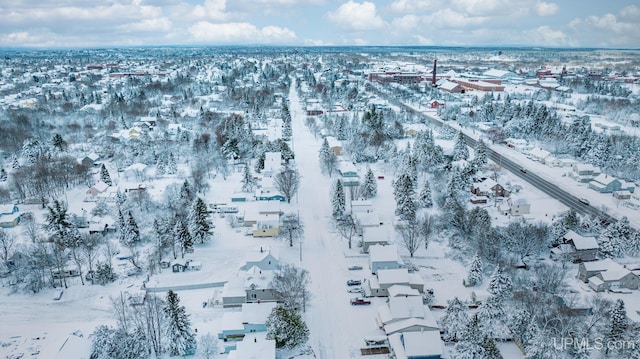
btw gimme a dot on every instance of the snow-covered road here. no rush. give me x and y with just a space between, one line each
331 320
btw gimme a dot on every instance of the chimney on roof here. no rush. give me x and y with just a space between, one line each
255 340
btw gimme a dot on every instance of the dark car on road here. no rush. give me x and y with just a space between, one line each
354 282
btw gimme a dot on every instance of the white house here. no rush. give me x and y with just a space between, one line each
380 283
416 345
272 163
254 346
402 314
538 154
384 257
374 236
262 258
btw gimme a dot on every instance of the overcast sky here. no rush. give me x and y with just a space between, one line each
96 23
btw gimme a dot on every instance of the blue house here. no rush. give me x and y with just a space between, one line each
608 184
9 216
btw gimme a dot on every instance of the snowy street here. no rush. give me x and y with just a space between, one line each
333 322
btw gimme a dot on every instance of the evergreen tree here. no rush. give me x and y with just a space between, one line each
104 175
369 187
183 237
470 344
490 349
425 199
248 182
15 164
199 224
491 315
460 150
404 194
172 166
161 168
480 155
455 320
328 158
104 274
3 175
180 337
474 277
131 232
187 195
500 283
286 130
58 143
287 328
122 227
58 224
338 199
619 321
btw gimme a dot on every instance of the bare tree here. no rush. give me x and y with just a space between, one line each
7 243
347 227
291 283
525 239
207 346
287 183
411 236
292 229
89 248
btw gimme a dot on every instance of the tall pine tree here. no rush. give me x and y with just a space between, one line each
460 150
181 339
183 237
199 224
369 187
104 175
338 199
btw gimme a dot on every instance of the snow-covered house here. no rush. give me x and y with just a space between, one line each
361 205
518 207
405 314
384 257
267 191
417 345
90 160
254 346
584 172
263 258
272 163
349 173
373 236
607 274
252 319
267 225
538 154
334 145
367 220
583 248
379 284
137 171
9 216
608 184
257 286
519 144
97 189
488 187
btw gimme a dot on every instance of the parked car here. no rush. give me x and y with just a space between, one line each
360 301
352 282
355 268
584 201
523 170
354 290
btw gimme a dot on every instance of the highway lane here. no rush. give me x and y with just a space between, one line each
542 184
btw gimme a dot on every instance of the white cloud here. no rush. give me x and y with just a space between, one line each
546 9
414 6
149 25
405 23
423 40
546 36
240 32
630 12
211 9
357 16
